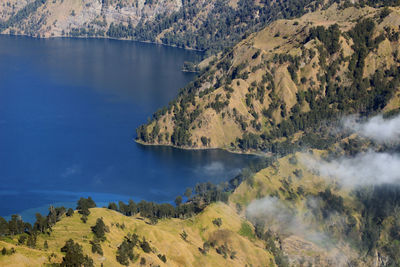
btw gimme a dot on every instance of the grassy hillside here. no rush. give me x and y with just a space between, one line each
287 214
318 219
277 86
203 25
164 238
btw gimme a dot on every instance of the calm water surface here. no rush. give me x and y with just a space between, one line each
68 113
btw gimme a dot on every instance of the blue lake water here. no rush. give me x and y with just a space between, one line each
68 113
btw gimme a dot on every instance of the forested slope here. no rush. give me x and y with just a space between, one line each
277 88
203 25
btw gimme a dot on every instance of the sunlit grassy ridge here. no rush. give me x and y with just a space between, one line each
164 238
270 86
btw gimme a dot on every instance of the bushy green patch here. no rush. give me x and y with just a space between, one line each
246 231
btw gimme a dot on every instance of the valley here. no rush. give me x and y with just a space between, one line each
282 150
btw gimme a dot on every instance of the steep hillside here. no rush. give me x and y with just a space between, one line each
165 238
321 220
276 87
44 18
203 25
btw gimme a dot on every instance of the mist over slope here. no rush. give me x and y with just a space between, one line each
325 84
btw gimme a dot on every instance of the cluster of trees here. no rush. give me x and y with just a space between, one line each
125 250
4 251
74 255
339 99
125 253
329 37
330 102
379 209
120 30
379 3
27 232
99 230
22 14
370 223
83 206
205 194
224 25
86 32
273 244
202 195
43 224
380 205
189 67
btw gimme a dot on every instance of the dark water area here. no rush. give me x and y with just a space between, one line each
68 113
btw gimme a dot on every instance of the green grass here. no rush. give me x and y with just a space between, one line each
246 231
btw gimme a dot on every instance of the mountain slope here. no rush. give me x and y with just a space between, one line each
283 81
203 25
164 239
66 18
287 214
320 220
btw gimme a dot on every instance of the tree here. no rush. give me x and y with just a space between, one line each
96 247
84 218
31 242
125 250
123 208
3 227
22 239
184 235
100 230
162 258
217 222
70 212
204 140
145 245
84 205
188 192
41 223
112 206
16 225
178 200
74 255
45 245
55 215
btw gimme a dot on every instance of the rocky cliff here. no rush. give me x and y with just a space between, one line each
61 17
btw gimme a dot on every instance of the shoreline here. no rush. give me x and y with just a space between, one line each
258 154
102 37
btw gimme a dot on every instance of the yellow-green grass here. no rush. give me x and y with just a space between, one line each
164 238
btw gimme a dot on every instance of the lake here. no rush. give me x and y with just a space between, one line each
69 109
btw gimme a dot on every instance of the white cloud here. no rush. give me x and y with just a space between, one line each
217 168
370 168
376 128
278 217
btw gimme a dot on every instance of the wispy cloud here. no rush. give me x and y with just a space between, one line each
370 168
376 128
70 171
366 168
217 168
281 218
